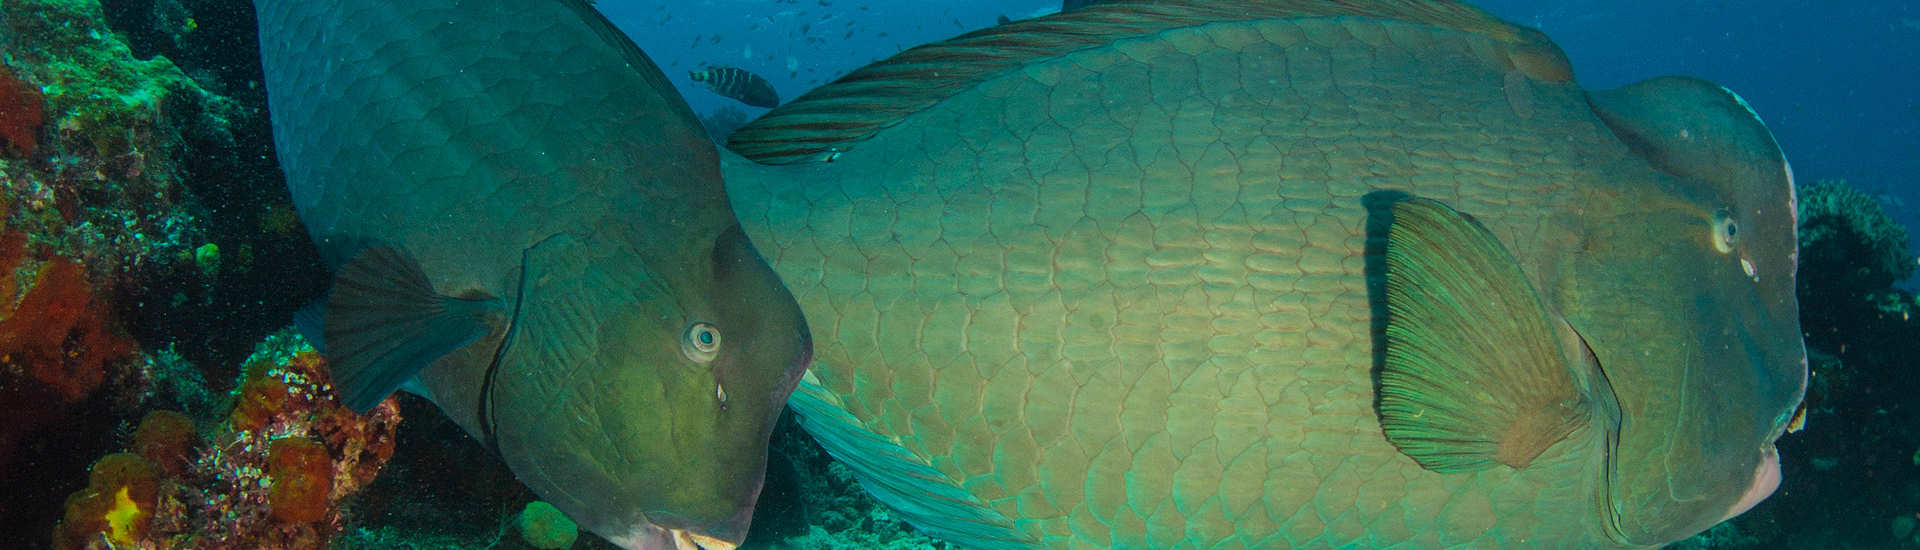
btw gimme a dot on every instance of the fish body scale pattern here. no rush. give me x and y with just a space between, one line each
403 169
1121 295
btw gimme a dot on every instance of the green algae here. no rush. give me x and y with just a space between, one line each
106 184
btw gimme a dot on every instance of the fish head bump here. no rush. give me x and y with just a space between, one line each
1684 290
642 384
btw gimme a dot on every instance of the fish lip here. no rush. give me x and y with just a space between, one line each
1766 479
707 543
652 532
648 536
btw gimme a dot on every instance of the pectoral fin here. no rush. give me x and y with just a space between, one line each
901 478
383 322
1478 371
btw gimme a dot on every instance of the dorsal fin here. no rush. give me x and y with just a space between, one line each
829 119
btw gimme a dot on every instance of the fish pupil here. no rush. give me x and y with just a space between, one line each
706 337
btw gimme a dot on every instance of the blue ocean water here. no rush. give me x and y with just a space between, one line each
1835 81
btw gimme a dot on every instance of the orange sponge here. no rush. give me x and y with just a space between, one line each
261 399
116 506
165 438
59 332
302 474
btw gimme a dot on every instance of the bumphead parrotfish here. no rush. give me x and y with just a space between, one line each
486 179
1283 274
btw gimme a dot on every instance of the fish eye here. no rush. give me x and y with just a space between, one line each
701 342
1726 233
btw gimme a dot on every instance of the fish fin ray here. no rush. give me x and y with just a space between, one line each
835 117
1477 371
902 479
383 323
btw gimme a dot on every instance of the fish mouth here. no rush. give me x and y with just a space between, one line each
688 540
1766 478
654 537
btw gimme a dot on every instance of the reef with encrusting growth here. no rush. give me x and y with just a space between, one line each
273 472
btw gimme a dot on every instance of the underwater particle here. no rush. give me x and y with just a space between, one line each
545 527
117 505
165 438
302 475
21 113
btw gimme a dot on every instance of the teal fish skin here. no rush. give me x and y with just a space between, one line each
637 349
1120 295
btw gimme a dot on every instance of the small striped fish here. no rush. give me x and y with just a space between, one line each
738 84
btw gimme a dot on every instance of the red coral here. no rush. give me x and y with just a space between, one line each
13 249
60 331
21 109
302 474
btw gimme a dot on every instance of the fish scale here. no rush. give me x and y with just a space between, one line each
1160 335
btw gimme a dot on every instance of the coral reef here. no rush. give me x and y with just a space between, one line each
57 340
105 186
142 167
166 439
116 508
1848 239
272 474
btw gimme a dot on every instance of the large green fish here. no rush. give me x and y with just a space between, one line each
1287 274
485 179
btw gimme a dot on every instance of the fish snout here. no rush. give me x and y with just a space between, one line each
1766 478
